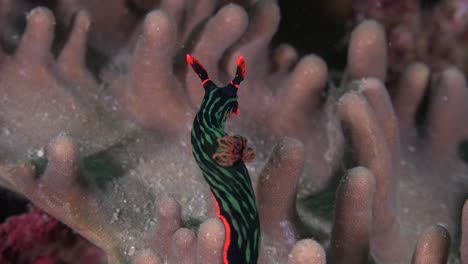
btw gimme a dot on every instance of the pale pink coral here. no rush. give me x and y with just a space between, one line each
134 122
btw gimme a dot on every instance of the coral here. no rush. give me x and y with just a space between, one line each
434 34
36 237
102 144
353 217
433 246
32 77
407 162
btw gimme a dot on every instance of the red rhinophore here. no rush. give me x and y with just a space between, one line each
189 59
196 65
241 64
227 227
238 111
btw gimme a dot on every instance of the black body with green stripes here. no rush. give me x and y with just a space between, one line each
231 185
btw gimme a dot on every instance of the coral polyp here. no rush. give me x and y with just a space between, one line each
96 120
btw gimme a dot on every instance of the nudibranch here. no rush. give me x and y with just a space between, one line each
221 159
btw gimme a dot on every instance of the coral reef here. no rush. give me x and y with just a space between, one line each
36 237
96 122
435 34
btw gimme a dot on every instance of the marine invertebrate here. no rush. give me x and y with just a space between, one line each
34 66
221 158
132 126
63 154
35 236
390 127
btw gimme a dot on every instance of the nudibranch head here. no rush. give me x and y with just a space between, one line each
219 102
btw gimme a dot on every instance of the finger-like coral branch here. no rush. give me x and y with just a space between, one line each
169 222
183 247
197 12
150 82
307 251
175 8
369 142
409 95
278 216
113 22
301 95
378 99
367 56
71 60
284 57
447 111
263 23
353 217
433 246
211 237
37 40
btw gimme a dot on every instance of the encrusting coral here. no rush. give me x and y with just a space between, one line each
37 238
118 168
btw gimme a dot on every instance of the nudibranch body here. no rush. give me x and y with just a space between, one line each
221 159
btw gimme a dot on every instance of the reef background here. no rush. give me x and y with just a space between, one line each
97 103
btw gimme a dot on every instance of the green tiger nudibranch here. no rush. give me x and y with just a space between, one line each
221 159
